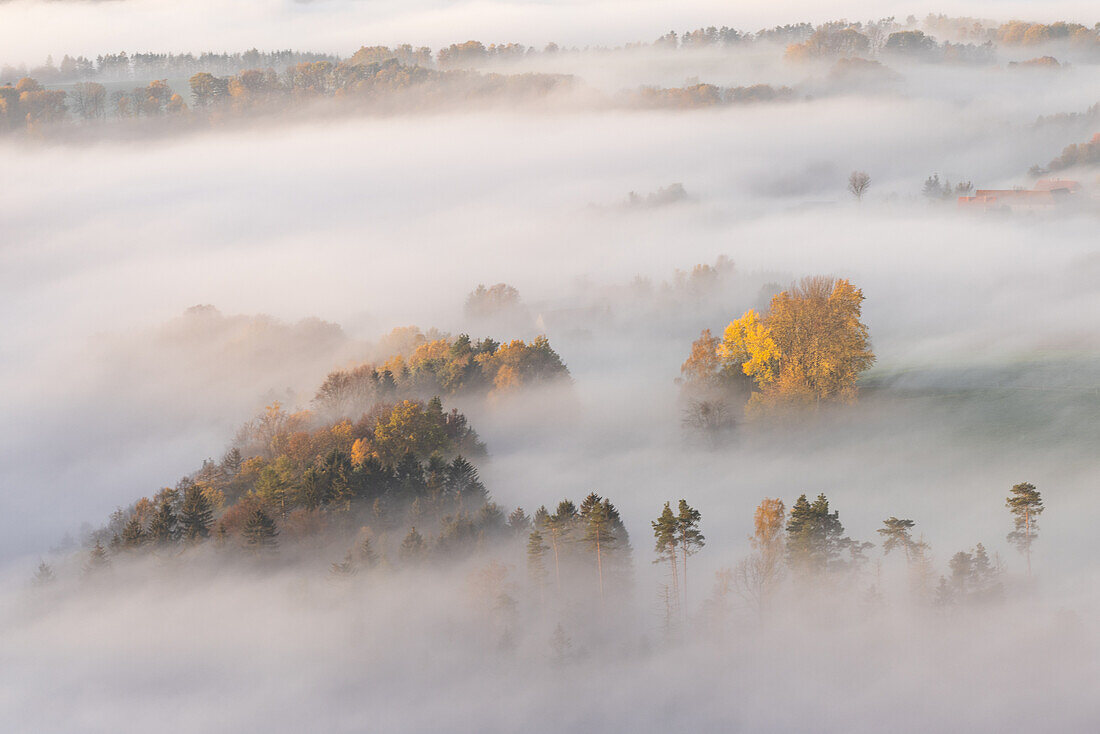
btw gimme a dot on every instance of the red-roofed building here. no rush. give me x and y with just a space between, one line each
1048 193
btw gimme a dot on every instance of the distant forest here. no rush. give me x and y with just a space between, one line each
209 88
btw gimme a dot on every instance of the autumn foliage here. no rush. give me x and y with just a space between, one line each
808 349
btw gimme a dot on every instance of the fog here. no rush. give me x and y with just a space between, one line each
159 292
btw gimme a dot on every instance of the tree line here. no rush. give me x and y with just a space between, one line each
442 366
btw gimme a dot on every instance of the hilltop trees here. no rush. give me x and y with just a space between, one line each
816 540
1025 504
677 537
442 367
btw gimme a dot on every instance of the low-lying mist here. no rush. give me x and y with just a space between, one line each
159 293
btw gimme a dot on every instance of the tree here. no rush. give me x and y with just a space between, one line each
811 346
559 527
688 537
755 576
815 536
536 566
196 514
43 575
595 512
896 534
1025 504
973 579
412 547
162 528
260 532
345 568
89 100
133 534
464 485
858 183
667 537
97 560
365 552
932 188
206 89
519 523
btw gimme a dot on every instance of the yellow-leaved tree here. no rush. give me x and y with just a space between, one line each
809 348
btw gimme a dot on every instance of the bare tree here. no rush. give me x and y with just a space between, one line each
858 183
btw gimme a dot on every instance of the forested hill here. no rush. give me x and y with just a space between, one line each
372 456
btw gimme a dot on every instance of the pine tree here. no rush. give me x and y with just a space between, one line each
97 560
597 531
665 529
196 515
689 538
260 532
1025 504
412 547
133 534
896 533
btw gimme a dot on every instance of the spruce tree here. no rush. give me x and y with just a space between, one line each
1025 504
260 532
196 515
